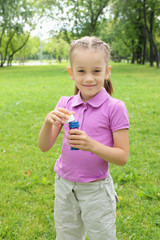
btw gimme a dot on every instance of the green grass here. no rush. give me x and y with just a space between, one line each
27 94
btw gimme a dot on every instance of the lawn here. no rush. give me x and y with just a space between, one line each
27 94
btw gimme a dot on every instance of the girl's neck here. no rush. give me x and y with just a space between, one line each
87 98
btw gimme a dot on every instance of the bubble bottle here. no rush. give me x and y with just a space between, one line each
72 125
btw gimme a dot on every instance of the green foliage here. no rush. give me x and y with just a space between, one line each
26 174
15 16
30 50
79 17
135 24
130 27
57 47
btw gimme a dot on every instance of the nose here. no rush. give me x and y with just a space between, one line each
89 77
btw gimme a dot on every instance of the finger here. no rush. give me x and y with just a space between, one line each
59 114
74 137
55 118
75 131
64 110
78 146
53 122
57 124
74 142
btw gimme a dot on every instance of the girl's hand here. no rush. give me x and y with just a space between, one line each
79 139
57 117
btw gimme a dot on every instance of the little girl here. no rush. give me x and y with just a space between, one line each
85 200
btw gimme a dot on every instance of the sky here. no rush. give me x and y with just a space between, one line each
42 29
43 26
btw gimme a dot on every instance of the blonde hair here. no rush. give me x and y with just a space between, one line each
92 43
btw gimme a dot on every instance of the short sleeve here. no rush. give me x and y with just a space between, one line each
119 118
62 102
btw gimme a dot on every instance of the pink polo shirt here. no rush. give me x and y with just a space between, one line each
99 118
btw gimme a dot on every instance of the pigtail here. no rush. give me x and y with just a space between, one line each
108 86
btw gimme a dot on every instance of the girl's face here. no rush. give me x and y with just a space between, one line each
89 70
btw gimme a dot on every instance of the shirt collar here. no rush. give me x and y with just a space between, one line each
96 101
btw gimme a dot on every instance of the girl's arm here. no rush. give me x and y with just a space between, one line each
51 128
118 154
48 136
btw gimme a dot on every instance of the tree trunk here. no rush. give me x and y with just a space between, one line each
9 62
94 17
156 54
139 55
151 50
1 60
144 46
6 49
133 53
150 34
59 59
10 58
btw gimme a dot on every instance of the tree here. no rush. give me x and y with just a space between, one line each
79 17
128 17
57 47
114 34
138 18
151 10
21 40
29 51
15 16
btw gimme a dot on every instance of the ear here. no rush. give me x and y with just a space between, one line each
70 73
108 73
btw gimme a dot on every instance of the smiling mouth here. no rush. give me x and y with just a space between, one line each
89 86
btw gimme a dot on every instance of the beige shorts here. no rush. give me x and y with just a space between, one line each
85 208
